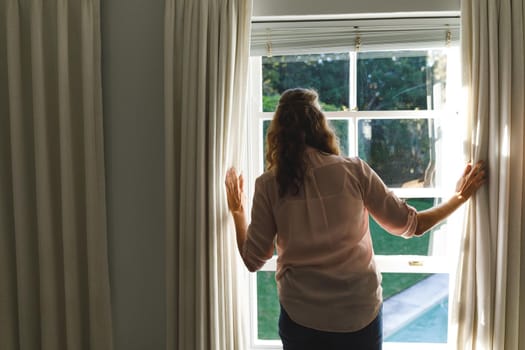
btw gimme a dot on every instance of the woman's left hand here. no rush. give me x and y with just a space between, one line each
234 191
474 176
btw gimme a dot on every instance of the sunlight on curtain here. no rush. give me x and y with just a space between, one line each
54 283
206 60
487 301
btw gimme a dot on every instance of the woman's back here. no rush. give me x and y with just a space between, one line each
325 269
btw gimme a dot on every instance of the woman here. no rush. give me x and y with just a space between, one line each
313 205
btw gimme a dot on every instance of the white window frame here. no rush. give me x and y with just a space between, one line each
446 237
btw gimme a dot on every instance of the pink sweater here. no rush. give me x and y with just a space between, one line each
326 274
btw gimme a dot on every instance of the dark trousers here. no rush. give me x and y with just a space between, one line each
297 337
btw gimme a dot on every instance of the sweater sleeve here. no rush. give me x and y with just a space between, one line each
258 247
391 212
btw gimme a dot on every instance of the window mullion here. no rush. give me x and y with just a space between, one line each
352 125
353 81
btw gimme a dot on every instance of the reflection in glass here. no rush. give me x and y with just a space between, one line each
328 74
401 151
401 80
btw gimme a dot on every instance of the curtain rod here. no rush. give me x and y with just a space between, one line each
263 21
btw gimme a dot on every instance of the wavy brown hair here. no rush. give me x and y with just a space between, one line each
298 122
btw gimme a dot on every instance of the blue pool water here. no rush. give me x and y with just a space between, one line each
429 327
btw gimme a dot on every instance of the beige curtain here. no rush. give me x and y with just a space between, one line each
206 59
54 285
490 298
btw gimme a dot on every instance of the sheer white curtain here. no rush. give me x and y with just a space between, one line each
206 59
489 310
54 283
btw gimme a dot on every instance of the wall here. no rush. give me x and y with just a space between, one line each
132 67
132 64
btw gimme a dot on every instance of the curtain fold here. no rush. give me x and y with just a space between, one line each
206 67
54 279
487 301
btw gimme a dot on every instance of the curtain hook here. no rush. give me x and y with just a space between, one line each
357 40
269 50
448 38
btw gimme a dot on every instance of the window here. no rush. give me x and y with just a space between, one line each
396 109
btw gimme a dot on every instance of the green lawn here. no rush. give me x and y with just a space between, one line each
267 305
384 244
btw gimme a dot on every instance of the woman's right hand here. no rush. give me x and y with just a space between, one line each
474 176
235 191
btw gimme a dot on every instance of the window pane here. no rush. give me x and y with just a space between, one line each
268 308
387 244
401 151
327 73
404 320
418 322
340 127
265 126
401 80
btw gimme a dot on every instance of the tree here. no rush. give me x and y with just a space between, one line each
328 74
399 150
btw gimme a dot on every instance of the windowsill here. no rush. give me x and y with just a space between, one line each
415 346
276 345
396 263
